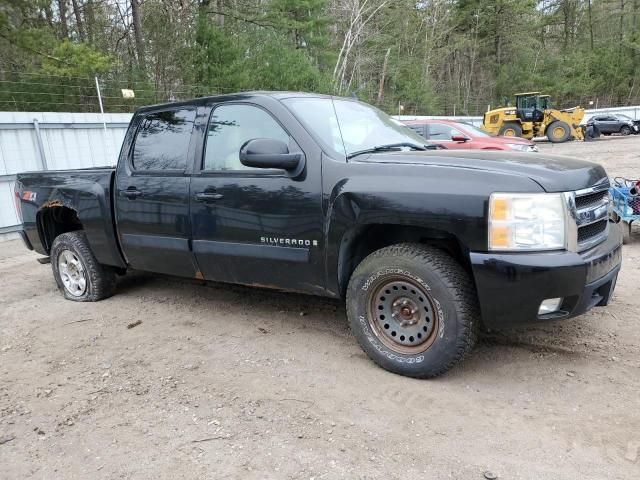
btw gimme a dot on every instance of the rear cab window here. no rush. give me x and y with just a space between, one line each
162 140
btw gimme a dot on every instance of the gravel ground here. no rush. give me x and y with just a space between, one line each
231 382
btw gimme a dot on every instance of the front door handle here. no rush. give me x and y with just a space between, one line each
207 196
132 193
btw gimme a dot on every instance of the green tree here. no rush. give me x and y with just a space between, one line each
70 59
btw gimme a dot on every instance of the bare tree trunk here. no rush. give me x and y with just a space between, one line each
220 8
48 14
79 22
382 75
498 34
634 37
621 29
590 26
137 32
89 15
64 28
352 38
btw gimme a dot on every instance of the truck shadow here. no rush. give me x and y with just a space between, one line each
272 312
514 338
291 310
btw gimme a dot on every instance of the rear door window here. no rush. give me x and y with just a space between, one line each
162 140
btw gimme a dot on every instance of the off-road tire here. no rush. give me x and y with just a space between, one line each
553 128
511 126
625 130
450 289
100 279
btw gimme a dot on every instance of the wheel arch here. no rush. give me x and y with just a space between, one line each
362 240
54 219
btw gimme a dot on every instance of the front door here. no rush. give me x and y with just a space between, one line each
255 226
152 193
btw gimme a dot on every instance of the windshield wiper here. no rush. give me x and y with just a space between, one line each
389 147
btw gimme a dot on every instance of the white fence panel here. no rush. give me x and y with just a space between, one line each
8 214
53 141
18 151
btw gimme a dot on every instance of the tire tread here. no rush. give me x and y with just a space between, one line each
102 279
457 281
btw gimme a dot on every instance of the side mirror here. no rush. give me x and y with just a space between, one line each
460 138
269 153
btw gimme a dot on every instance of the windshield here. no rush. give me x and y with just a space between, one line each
348 126
622 116
472 128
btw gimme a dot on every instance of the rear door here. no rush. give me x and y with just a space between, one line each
152 192
250 225
608 124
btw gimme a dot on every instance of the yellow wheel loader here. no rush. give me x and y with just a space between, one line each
533 117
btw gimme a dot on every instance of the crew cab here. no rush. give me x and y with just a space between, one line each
330 196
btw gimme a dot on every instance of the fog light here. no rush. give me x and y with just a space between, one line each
549 305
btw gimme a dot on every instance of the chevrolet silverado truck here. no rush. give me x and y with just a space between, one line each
330 196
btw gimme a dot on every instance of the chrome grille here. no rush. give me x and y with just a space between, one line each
590 200
589 212
593 229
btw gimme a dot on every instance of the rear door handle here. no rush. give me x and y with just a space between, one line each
132 192
207 196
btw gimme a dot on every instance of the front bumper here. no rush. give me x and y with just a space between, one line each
511 286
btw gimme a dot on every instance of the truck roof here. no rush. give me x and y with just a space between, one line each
239 95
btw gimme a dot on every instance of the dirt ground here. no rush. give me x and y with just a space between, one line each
239 383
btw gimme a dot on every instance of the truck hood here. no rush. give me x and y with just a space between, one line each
554 173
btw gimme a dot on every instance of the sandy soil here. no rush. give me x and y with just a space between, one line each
231 382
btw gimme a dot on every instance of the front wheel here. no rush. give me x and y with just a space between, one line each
510 129
625 130
77 272
413 310
558 132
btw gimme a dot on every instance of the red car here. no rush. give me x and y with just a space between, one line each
458 135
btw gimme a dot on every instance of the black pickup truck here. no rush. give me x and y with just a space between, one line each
330 196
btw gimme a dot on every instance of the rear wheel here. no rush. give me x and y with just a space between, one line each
77 272
625 130
510 129
413 310
558 132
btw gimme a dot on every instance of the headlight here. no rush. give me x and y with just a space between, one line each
520 147
534 221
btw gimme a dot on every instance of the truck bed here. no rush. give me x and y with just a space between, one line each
85 194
